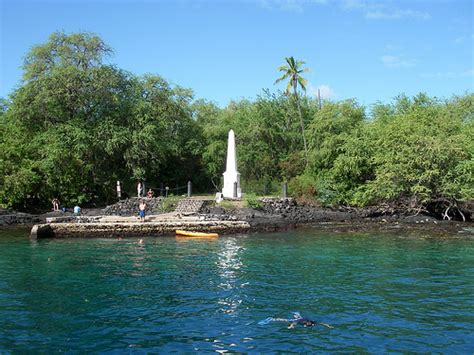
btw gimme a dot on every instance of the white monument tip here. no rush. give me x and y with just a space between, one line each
231 175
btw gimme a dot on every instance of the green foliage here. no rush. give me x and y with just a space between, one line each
418 148
268 138
330 129
303 186
81 51
264 187
252 201
168 204
76 125
227 205
292 73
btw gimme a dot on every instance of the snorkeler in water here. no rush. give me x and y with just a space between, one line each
303 321
297 319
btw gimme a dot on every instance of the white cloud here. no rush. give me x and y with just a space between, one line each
393 47
392 61
289 5
449 74
374 10
382 11
352 4
324 91
391 14
462 39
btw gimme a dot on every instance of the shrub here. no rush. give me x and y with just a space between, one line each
303 186
262 187
252 201
168 204
227 205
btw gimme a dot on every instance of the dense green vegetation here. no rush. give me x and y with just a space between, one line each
76 125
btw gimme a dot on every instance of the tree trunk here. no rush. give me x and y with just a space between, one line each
302 129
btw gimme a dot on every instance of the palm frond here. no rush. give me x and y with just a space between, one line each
292 72
289 86
291 62
303 83
283 77
300 63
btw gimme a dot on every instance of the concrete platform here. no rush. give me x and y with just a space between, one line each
113 227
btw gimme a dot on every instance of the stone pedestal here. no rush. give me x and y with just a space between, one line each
231 175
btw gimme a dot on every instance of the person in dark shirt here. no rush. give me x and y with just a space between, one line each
297 320
150 193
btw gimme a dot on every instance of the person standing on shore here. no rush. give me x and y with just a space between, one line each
141 210
150 193
140 189
55 203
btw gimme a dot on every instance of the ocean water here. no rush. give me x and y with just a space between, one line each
380 292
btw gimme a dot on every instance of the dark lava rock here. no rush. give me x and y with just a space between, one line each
291 211
15 218
129 207
215 210
420 219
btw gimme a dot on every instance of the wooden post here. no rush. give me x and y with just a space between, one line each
119 190
235 189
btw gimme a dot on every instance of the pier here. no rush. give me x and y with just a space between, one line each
115 226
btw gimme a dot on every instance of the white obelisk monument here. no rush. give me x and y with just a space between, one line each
231 175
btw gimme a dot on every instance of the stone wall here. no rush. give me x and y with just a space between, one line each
293 212
73 219
4 211
189 205
129 207
18 218
276 211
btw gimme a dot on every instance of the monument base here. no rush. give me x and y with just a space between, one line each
230 178
230 195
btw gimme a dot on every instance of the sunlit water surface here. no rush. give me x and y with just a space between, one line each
403 293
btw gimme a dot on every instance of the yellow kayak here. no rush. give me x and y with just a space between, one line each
182 233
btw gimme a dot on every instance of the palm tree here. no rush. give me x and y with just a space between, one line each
292 71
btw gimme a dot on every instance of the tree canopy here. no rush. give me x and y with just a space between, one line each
292 72
77 124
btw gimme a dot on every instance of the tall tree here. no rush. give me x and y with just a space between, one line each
76 125
292 72
82 50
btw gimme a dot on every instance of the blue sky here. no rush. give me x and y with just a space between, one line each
229 50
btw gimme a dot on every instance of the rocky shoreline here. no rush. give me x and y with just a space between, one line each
274 214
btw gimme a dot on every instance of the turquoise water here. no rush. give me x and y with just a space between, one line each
380 292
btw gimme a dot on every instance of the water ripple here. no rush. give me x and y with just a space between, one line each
380 293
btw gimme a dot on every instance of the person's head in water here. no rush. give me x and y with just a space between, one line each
308 323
